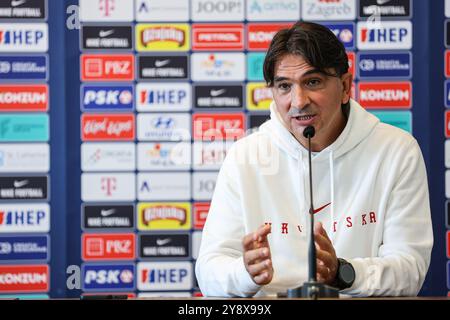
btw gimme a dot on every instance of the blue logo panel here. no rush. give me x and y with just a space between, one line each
24 248
108 277
97 98
345 32
24 67
384 65
447 94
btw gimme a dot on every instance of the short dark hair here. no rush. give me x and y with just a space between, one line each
314 42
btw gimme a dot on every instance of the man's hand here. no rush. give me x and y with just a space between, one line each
327 262
257 258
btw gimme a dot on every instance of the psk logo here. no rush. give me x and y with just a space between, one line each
163 123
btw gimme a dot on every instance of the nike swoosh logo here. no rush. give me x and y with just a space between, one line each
321 208
20 184
106 213
215 93
16 3
105 33
161 242
381 2
161 63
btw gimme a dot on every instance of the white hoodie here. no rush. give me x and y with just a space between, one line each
371 182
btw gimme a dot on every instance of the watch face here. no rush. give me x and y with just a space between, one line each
347 274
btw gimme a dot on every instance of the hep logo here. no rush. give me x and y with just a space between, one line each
164 275
386 35
163 96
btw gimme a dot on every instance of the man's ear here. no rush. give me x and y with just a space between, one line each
347 80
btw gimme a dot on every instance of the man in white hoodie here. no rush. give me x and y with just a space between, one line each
373 232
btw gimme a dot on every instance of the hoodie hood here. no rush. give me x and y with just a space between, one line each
359 125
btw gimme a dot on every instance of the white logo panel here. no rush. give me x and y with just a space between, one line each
328 10
23 37
164 156
203 184
108 157
218 66
164 275
26 157
209 155
30 217
106 10
161 97
108 187
162 10
164 127
164 186
196 241
384 35
273 10
217 10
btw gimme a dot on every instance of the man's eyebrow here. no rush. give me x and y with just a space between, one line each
307 73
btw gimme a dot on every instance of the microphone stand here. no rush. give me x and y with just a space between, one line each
312 289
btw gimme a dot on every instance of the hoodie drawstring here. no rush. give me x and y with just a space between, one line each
331 163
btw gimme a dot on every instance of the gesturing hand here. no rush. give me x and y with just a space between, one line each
257 257
327 262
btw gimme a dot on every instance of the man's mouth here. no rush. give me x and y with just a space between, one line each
305 117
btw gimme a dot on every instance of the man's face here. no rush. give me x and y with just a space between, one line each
304 96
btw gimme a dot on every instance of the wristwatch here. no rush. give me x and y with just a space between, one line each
345 275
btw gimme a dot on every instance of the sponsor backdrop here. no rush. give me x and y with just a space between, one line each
117 114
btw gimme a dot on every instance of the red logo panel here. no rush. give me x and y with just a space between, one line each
393 95
97 67
447 124
208 126
111 246
100 127
351 63
24 97
24 278
448 244
447 63
217 37
201 210
259 35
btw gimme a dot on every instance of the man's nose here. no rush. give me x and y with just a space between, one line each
300 98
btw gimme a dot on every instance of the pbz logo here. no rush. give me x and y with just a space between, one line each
386 35
107 97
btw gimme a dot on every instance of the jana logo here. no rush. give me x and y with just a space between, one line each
212 62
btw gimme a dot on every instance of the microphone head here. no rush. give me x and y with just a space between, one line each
309 132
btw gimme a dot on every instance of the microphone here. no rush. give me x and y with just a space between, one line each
311 288
309 132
